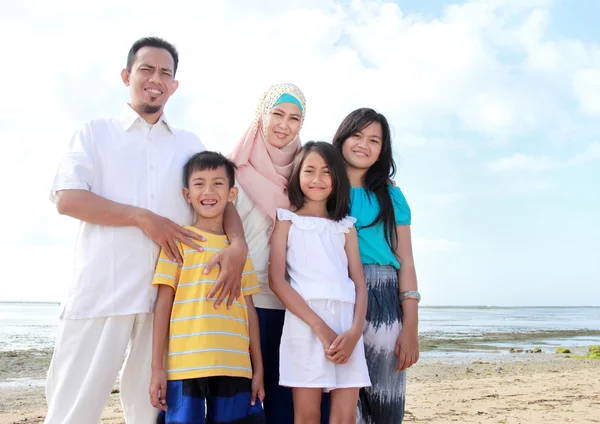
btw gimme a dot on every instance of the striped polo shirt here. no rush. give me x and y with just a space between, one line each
204 341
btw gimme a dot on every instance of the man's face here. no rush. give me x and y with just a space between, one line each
152 79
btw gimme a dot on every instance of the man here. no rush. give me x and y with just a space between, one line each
122 179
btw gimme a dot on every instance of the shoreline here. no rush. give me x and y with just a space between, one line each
30 365
441 342
545 387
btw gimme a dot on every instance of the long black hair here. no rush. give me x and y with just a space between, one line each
338 203
377 177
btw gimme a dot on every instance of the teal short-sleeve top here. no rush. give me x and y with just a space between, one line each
374 249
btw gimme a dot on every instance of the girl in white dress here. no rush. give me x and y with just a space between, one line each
326 299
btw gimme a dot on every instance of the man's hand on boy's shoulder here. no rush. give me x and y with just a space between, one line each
166 234
231 261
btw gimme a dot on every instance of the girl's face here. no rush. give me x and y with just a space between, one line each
283 124
361 150
315 179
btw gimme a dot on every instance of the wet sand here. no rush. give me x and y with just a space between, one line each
500 389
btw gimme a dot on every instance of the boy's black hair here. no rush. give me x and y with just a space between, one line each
338 203
208 160
152 42
376 179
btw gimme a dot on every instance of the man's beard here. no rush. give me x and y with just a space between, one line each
151 109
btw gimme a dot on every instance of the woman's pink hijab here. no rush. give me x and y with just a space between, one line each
263 170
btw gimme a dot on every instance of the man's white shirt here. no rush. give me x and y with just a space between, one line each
125 160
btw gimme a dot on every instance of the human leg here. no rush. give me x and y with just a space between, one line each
383 402
228 401
343 406
309 405
87 356
278 403
186 401
137 371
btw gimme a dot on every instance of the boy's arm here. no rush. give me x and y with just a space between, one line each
160 333
258 388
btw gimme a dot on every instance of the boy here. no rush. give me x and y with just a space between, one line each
208 349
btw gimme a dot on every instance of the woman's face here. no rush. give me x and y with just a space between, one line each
361 150
283 124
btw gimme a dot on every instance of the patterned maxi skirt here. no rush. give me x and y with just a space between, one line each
383 402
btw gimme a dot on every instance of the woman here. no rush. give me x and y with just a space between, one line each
264 158
383 223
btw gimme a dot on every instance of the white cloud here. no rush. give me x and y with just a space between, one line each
483 70
587 87
520 161
444 199
536 164
48 282
592 153
432 246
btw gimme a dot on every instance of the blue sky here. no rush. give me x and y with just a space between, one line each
495 107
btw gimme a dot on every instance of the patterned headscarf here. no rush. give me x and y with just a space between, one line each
263 170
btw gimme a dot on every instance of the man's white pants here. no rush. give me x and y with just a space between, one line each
87 357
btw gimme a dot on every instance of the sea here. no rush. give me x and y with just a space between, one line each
444 331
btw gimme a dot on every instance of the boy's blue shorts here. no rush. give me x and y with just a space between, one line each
227 401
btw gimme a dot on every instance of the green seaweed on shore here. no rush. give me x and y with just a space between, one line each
593 353
563 350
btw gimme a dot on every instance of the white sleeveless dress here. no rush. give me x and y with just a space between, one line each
318 270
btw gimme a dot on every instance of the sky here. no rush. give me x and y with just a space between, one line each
494 106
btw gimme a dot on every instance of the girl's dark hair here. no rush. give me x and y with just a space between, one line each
338 203
377 177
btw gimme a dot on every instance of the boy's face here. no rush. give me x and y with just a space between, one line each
209 192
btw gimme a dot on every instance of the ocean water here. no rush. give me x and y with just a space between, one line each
444 330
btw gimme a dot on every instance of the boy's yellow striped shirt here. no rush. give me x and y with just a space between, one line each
204 341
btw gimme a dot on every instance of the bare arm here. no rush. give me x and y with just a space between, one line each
231 260
355 269
160 333
290 297
256 354
90 207
258 387
344 344
407 276
407 347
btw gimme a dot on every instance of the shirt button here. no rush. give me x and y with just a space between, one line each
151 167
152 196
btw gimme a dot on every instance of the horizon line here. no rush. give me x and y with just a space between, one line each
44 302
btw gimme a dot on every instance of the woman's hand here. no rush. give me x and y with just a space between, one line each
407 349
231 261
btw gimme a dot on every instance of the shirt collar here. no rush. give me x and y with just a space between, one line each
129 117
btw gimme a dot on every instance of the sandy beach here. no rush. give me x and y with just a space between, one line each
501 389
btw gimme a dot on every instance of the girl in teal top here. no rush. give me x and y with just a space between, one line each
383 223
374 249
